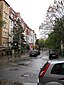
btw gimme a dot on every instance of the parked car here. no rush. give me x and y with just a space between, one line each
34 53
52 73
53 55
38 52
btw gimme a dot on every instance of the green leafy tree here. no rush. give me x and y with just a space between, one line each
53 42
55 38
54 11
18 39
41 43
54 24
59 28
37 44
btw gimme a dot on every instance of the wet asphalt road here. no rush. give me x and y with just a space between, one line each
24 71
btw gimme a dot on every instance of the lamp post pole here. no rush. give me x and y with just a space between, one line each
62 48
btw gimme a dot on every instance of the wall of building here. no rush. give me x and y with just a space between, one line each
5 29
6 32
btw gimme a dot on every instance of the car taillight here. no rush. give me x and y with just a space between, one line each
44 71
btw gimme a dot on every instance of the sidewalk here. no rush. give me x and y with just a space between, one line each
11 58
6 82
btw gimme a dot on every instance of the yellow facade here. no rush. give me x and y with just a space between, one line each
4 31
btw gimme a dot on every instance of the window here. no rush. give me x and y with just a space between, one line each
6 6
11 15
5 15
31 40
0 12
58 69
4 44
4 26
1 6
11 23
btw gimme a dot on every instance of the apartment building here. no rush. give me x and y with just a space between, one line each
12 14
29 34
12 20
4 16
30 37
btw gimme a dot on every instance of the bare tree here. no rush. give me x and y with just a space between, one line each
54 11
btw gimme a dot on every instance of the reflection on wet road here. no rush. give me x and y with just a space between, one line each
25 72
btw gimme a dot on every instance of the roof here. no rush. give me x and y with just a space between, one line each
55 61
5 2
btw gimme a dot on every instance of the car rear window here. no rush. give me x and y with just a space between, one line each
58 69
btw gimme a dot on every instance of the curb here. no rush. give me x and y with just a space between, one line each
20 59
13 59
7 82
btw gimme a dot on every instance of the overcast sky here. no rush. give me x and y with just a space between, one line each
32 11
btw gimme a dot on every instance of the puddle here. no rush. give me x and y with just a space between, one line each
12 64
23 64
27 75
13 69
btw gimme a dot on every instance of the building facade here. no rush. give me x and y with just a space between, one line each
4 16
11 25
10 28
30 37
